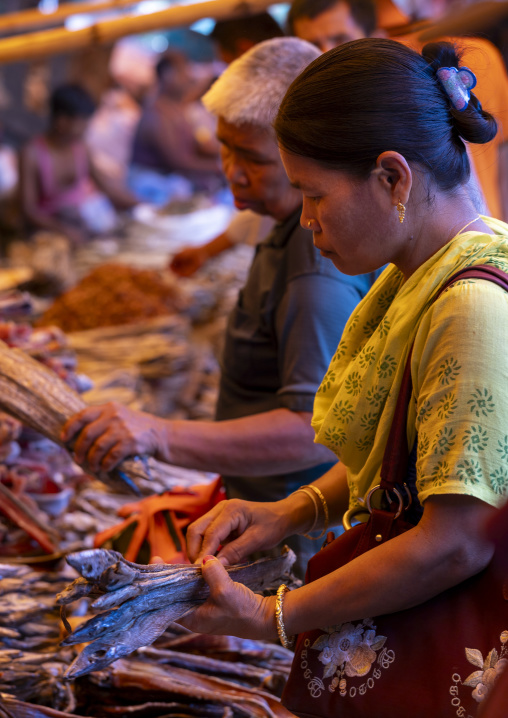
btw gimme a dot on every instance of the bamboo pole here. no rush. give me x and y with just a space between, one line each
61 40
25 19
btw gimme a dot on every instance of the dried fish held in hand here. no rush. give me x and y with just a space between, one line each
36 396
146 600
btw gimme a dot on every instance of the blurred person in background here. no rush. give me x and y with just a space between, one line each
9 176
60 188
490 161
330 23
237 35
169 158
110 133
281 334
233 37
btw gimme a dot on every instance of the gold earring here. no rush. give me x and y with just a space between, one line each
401 210
309 223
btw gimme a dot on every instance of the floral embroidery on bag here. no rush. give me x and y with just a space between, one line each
489 669
349 651
483 679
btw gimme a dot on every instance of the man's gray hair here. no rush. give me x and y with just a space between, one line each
251 89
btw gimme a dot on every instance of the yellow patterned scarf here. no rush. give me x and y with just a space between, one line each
355 404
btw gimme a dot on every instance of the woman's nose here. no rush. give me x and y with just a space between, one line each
307 221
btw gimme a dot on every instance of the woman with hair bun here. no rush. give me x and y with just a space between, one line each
375 136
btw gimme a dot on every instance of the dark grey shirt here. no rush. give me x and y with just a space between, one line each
280 338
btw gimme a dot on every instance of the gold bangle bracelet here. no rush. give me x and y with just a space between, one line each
324 504
312 497
279 618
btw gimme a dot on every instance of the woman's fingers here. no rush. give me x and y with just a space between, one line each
221 525
208 532
239 527
231 609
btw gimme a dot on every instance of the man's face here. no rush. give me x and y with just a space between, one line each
254 170
330 29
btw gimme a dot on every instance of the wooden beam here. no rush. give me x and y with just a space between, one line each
26 19
61 40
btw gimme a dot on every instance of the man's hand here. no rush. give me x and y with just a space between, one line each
105 435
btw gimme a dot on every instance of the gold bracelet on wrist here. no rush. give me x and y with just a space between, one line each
312 497
323 503
279 617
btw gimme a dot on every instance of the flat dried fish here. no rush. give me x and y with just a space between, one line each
12 708
141 611
141 631
179 681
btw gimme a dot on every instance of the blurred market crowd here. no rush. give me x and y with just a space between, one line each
85 137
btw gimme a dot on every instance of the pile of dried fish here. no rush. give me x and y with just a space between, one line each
32 662
182 674
113 294
138 602
197 694
157 366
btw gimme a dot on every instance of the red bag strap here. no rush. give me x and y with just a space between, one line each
395 460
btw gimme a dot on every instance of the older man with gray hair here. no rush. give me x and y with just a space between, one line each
282 332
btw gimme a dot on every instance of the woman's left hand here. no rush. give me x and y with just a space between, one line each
232 609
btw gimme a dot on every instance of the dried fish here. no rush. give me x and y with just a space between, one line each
242 673
181 682
34 395
141 611
140 631
114 294
20 513
12 708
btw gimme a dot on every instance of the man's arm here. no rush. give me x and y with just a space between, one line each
278 441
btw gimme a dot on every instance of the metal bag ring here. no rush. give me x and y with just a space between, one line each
395 491
350 514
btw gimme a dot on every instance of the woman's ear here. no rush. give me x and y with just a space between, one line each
394 175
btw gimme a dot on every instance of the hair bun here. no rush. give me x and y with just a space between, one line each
474 124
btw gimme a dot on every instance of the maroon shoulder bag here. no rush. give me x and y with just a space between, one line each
436 660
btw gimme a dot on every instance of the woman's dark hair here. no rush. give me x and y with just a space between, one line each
369 96
71 101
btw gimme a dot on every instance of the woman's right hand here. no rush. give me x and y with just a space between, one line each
239 528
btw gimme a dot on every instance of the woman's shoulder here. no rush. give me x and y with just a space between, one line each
477 305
